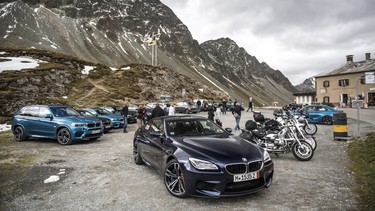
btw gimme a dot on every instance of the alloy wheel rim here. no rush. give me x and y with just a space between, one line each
18 133
63 137
174 179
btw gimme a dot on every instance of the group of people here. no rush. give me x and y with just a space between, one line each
214 114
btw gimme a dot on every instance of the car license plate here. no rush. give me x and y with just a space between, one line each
95 131
108 126
246 177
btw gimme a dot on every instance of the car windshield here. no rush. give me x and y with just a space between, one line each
192 127
103 112
86 113
64 111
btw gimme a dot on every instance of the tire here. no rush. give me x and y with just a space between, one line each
327 120
19 134
136 155
312 142
303 152
64 137
310 128
174 179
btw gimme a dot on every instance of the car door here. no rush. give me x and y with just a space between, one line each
31 121
47 125
153 146
313 115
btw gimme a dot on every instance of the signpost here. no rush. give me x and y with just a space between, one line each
369 79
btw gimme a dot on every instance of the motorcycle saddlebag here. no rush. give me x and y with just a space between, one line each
259 117
250 125
271 124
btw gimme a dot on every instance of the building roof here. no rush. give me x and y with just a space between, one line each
351 67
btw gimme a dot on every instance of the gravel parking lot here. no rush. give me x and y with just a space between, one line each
101 175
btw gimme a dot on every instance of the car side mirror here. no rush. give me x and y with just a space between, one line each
228 129
156 134
47 116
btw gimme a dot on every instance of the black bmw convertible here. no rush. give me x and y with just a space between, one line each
197 157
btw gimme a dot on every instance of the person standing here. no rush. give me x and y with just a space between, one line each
171 110
199 103
218 113
124 114
157 111
224 106
250 106
141 114
211 113
237 115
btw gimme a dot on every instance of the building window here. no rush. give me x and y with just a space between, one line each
325 83
363 80
344 82
326 99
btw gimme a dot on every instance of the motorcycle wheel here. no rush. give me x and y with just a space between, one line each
303 151
310 128
312 142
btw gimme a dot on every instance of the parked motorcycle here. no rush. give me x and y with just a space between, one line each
278 141
308 127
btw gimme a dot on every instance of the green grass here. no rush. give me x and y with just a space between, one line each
362 154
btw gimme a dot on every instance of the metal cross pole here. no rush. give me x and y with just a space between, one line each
357 103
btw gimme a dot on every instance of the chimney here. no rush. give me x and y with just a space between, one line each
368 56
349 58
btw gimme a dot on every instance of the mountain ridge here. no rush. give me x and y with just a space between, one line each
112 32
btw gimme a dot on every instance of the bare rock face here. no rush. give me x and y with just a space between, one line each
112 33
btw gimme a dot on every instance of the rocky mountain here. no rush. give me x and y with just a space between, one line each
59 79
307 86
112 33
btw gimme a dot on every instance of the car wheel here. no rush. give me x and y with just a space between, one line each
19 134
137 155
327 120
174 179
64 137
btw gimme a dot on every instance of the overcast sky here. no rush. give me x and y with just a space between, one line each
301 38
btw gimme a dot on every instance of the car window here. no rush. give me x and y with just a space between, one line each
64 111
103 112
23 112
32 111
321 109
192 127
155 125
43 111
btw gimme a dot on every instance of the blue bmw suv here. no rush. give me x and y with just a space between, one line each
55 122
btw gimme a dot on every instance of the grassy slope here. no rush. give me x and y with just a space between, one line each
362 153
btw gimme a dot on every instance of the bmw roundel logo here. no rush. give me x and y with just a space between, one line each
244 159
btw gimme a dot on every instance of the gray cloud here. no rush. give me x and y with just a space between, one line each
301 38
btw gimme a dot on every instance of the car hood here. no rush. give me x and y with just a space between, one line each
216 148
111 116
79 119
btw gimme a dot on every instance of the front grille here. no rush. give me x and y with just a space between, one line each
255 166
236 168
241 168
94 124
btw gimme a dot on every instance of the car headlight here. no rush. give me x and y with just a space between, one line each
79 124
202 164
266 156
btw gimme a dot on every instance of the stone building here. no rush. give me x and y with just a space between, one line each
339 86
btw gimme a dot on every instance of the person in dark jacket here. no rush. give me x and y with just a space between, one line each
124 114
237 115
211 113
157 111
